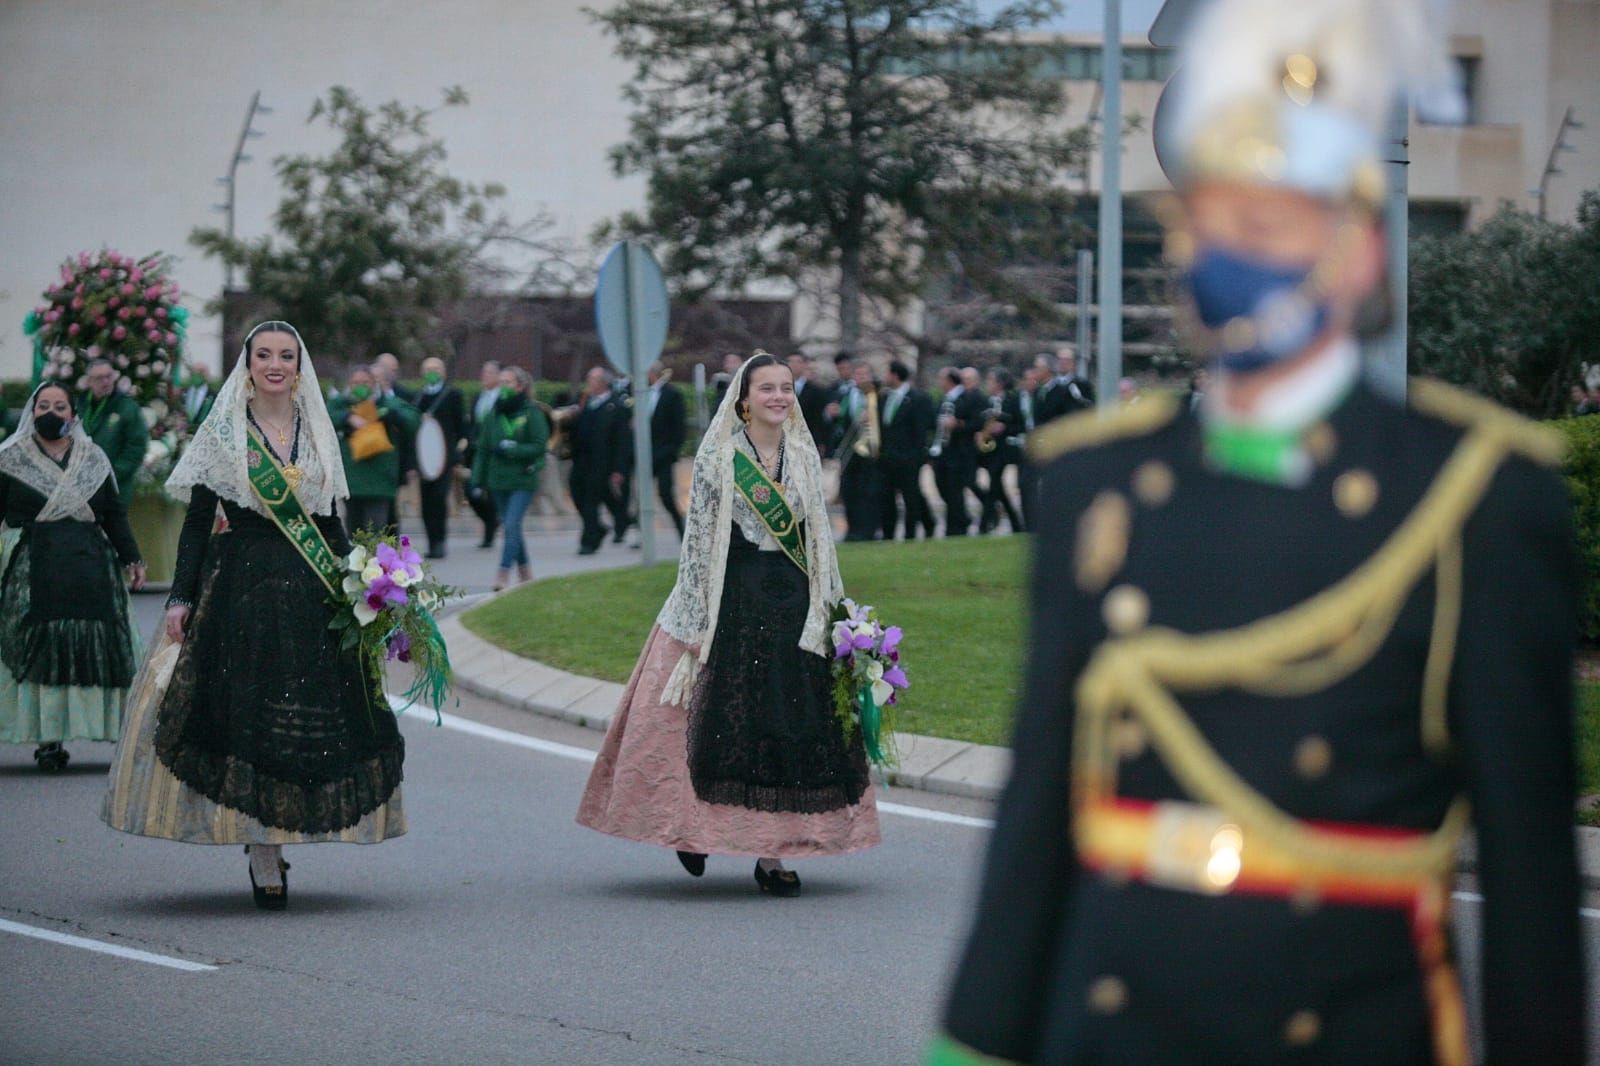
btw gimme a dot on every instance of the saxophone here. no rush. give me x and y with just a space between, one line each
870 437
987 443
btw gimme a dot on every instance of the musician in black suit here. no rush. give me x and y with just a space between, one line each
441 402
667 432
907 417
602 457
999 447
955 469
860 444
386 369
1067 392
813 397
1033 379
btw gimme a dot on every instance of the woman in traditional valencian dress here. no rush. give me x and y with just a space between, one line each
726 740
248 724
67 639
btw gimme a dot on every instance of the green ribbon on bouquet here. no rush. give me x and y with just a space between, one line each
433 669
872 727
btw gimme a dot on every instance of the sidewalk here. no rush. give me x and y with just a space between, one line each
929 764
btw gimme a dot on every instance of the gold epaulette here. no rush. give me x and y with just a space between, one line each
1089 428
1469 411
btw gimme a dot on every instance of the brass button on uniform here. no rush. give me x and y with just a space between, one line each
1153 482
1125 609
1312 758
1107 995
1302 1029
1354 493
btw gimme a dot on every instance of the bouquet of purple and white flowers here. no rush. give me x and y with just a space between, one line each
867 677
385 609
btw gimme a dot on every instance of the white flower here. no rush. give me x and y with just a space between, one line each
881 691
401 576
364 614
429 600
874 672
371 572
157 410
156 451
354 588
357 559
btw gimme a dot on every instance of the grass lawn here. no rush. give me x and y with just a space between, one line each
959 601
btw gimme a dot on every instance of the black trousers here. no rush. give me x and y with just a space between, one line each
995 498
859 487
667 490
1028 480
588 495
368 512
483 506
617 500
955 473
900 483
436 511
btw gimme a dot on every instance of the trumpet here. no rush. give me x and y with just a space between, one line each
986 442
941 440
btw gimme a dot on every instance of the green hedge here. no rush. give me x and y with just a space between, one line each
1583 481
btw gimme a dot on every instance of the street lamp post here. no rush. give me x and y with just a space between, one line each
1108 353
246 132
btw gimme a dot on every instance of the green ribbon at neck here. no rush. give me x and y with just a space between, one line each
1261 454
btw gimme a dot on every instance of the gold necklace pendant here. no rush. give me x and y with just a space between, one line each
293 475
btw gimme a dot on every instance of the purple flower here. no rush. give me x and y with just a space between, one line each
891 641
897 677
387 557
386 592
400 646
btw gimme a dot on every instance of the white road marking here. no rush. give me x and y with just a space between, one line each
103 948
567 751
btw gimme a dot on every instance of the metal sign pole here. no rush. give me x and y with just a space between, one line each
638 359
1109 361
1387 362
1085 327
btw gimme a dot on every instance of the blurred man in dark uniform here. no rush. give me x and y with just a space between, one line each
1067 392
442 402
813 398
113 420
907 416
1288 647
602 457
482 408
860 437
955 464
668 428
1000 447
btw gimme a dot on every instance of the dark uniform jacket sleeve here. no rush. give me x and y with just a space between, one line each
1512 722
999 993
192 541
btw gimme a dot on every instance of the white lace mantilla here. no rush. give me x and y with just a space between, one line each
690 613
216 457
66 492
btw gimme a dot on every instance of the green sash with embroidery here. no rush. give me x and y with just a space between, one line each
268 479
769 505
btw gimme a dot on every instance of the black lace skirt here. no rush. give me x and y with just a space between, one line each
64 613
762 732
264 713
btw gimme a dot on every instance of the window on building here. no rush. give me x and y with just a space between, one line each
1436 218
1467 75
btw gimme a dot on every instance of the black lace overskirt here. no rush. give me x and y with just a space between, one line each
762 732
55 647
264 713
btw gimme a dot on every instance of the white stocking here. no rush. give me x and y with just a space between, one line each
770 865
264 864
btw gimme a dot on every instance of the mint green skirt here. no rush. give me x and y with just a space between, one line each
31 713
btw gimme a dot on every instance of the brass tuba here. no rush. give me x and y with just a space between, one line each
865 436
986 442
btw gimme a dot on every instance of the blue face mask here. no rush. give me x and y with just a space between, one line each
1273 299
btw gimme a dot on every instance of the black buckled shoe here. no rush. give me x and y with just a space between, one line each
693 861
52 758
271 897
784 883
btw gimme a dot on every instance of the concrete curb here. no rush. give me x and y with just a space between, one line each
928 764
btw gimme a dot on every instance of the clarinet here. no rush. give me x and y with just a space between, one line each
942 439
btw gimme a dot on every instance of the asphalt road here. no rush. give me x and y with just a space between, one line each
496 931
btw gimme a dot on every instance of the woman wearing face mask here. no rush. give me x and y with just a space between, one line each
248 723
726 741
67 641
371 460
509 461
